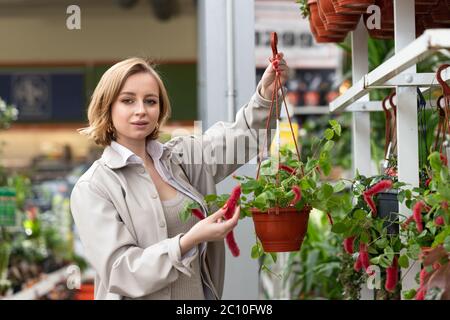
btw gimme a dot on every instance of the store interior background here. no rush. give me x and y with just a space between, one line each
49 72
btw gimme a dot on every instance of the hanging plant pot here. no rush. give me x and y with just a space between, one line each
282 232
321 34
358 4
387 207
333 20
346 10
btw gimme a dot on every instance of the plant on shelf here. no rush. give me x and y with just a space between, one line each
370 232
304 8
427 231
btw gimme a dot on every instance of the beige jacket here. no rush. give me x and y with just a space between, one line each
120 220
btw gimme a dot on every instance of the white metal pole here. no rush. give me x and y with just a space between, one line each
361 120
231 94
407 128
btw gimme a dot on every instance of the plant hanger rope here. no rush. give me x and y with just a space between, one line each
277 86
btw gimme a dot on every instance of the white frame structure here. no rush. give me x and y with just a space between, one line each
397 72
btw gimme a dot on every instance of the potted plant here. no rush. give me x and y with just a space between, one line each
428 233
282 195
310 10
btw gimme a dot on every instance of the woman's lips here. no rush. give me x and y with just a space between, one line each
140 124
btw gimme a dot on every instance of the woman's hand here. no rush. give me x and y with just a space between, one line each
268 79
212 228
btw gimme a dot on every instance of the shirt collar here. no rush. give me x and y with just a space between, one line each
117 155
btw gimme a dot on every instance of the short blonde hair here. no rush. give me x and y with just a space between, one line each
101 128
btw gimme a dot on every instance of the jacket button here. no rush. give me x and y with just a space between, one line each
154 196
162 224
141 170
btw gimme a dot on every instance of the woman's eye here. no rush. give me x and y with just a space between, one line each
127 101
151 101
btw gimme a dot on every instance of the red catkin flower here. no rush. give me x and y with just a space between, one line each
357 265
439 221
371 204
436 265
444 159
422 275
444 205
232 245
286 168
348 244
231 206
392 276
383 185
297 195
420 295
427 182
417 215
364 255
198 213
232 202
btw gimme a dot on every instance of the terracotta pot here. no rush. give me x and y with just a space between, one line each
324 39
360 4
345 10
318 28
281 232
333 20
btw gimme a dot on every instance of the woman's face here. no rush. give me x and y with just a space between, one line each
136 110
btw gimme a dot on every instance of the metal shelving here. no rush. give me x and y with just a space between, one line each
398 72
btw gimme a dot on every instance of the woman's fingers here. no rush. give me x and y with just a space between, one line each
218 214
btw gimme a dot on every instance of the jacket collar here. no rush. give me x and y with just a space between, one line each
116 156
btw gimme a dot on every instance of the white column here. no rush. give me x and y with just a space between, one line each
407 128
241 274
362 159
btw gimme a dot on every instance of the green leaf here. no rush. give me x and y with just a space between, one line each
256 252
249 186
338 187
328 145
339 227
414 251
359 214
311 164
365 237
210 197
440 237
329 134
274 256
325 192
382 243
336 127
185 215
403 261
410 294
304 184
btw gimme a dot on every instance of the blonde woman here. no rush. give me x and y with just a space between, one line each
126 206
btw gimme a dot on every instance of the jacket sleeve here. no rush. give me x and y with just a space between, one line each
124 267
225 147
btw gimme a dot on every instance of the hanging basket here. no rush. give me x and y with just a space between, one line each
280 229
318 29
283 231
336 21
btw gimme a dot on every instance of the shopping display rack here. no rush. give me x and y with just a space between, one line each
398 72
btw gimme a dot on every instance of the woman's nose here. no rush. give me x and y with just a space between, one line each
140 109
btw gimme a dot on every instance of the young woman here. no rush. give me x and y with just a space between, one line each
126 206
